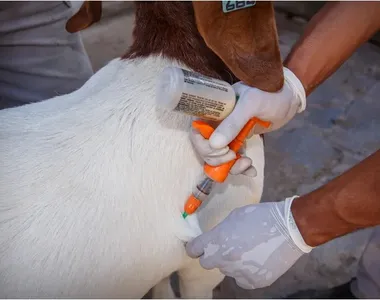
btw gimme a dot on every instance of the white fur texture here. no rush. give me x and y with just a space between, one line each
91 190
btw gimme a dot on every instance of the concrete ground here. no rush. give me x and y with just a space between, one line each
340 128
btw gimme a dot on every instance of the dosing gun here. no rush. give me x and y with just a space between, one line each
210 99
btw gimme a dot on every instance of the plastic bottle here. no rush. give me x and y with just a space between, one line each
194 94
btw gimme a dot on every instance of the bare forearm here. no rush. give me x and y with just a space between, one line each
348 203
330 38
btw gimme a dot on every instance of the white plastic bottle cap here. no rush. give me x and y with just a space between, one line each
194 94
170 85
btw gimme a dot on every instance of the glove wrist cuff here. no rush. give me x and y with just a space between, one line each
298 88
292 227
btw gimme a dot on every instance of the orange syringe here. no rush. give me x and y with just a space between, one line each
217 173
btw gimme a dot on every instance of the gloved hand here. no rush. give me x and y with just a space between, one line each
217 157
278 108
255 244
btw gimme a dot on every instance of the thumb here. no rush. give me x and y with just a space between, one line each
230 127
195 248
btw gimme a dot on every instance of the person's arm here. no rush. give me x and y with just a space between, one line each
330 38
270 237
347 203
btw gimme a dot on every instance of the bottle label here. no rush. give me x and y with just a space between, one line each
205 97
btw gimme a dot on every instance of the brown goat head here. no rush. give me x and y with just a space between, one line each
246 41
199 34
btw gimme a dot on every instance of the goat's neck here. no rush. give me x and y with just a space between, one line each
169 29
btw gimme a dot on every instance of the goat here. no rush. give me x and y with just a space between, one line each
93 182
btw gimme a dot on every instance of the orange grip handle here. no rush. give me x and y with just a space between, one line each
220 173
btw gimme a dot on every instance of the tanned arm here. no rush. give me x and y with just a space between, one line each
348 203
330 38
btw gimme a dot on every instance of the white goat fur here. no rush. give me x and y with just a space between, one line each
92 184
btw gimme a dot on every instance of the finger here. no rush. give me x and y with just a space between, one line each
236 272
244 283
226 272
207 263
230 127
203 147
219 160
243 165
195 248
260 130
250 172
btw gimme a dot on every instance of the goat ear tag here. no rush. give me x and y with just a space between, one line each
229 6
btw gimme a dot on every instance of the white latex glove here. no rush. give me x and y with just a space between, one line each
217 157
255 244
278 108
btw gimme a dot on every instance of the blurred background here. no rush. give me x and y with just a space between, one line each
340 128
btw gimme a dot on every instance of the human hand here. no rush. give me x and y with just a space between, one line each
278 108
255 244
220 156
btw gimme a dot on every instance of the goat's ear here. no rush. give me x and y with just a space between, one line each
89 13
245 39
